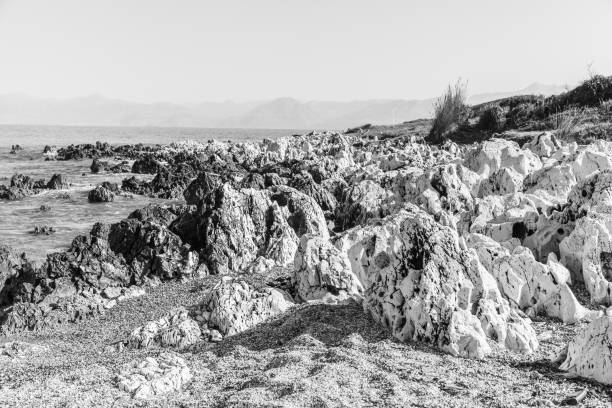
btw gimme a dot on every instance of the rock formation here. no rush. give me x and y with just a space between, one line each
589 354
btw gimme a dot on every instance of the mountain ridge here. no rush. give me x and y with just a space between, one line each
279 113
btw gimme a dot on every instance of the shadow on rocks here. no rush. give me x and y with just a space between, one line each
325 323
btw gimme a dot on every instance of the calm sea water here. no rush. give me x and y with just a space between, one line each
75 215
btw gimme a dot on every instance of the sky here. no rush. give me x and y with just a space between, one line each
188 51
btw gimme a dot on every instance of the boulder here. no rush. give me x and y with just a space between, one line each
495 154
201 187
58 182
101 195
98 165
175 329
421 284
302 212
360 202
589 354
234 306
155 377
544 144
305 183
43 230
322 271
587 252
527 283
503 181
150 249
147 165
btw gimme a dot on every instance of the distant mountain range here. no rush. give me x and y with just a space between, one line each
281 113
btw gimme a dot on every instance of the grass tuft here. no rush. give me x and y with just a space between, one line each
449 111
566 123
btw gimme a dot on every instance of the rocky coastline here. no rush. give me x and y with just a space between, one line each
475 251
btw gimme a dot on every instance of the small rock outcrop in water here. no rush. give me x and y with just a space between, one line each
43 230
98 165
15 149
101 194
23 186
72 285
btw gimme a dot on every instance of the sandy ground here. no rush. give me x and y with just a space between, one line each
314 355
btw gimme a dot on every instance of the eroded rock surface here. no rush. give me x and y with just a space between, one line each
589 354
234 306
153 377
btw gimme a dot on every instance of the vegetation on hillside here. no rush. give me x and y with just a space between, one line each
581 114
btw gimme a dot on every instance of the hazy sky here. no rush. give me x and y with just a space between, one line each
184 50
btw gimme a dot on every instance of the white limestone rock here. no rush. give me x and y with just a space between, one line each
587 253
589 354
552 184
593 158
504 217
155 377
234 306
528 283
544 145
322 271
503 181
422 283
445 190
175 329
495 154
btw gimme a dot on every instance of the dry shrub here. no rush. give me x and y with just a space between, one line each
566 123
450 110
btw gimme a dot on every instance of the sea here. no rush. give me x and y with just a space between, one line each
70 212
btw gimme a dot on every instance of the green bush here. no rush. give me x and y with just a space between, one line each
450 111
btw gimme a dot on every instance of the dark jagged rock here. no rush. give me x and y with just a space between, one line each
169 184
57 182
43 230
305 183
161 214
136 186
114 187
12 268
273 179
303 213
151 249
23 186
101 194
85 151
201 187
26 182
98 165
15 149
359 203
253 180
234 228
147 165
13 193
122 167
66 288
